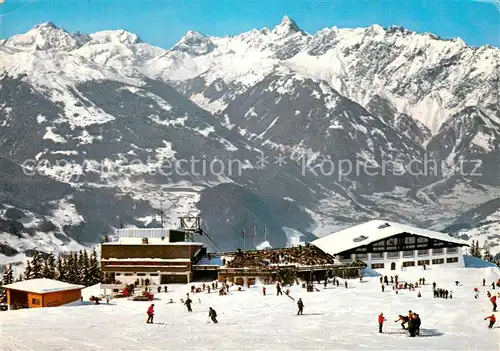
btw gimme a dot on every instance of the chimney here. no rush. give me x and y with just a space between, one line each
144 240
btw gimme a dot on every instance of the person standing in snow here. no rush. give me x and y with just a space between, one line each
476 293
383 287
484 282
188 304
381 320
151 313
417 323
264 291
300 305
346 284
212 315
492 320
278 289
493 300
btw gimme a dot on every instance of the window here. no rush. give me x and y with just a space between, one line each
362 256
393 255
452 260
422 262
438 261
452 250
377 266
35 301
423 252
409 264
345 257
422 242
377 256
392 244
438 243
118 274
437 251
153 275
410 240
409 253
128 274
141 274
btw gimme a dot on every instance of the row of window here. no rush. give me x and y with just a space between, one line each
138 274
419 263
405 254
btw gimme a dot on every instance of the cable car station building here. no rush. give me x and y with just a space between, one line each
393 246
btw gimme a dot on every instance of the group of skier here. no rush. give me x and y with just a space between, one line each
412 321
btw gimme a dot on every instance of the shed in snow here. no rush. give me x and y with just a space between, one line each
41 292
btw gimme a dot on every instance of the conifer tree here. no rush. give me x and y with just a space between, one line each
37 266
95 269
49 269
28 274
20 278
85 278
8 275
60 273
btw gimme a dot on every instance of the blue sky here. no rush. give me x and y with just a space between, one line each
163 22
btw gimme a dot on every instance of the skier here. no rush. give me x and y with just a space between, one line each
381 320
403 320
165 288
383 288
151 313
300 305
434 286
476 293
412 325
326 282
493 285
212 315
159 289
418 322
346 284
264 290
188 304
493 300
278 289
484 281
492 320
420 295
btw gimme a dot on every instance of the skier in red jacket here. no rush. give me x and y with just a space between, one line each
492 320
381 320
493 300
151 313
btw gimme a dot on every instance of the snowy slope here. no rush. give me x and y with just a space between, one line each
335 318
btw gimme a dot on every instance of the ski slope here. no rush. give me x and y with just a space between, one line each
334 319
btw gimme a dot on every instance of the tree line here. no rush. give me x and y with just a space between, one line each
486 255
79 268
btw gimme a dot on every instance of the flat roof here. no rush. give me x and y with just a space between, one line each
42 286
369 232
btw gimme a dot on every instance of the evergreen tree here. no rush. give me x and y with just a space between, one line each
95 269
20 278
85 278
8 275
487 254
60 273
71 268
37 266
49 269
28 273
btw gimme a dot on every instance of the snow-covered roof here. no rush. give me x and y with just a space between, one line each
372 231
42 286
151 241
143 233
146 259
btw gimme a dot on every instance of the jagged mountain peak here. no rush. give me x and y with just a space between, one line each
47 37
287 27
116 36
44 25
195 44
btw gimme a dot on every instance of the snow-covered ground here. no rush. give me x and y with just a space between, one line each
334 319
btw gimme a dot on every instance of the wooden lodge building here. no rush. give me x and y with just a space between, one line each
41 292
384 245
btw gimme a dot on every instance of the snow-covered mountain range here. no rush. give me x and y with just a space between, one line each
97 117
